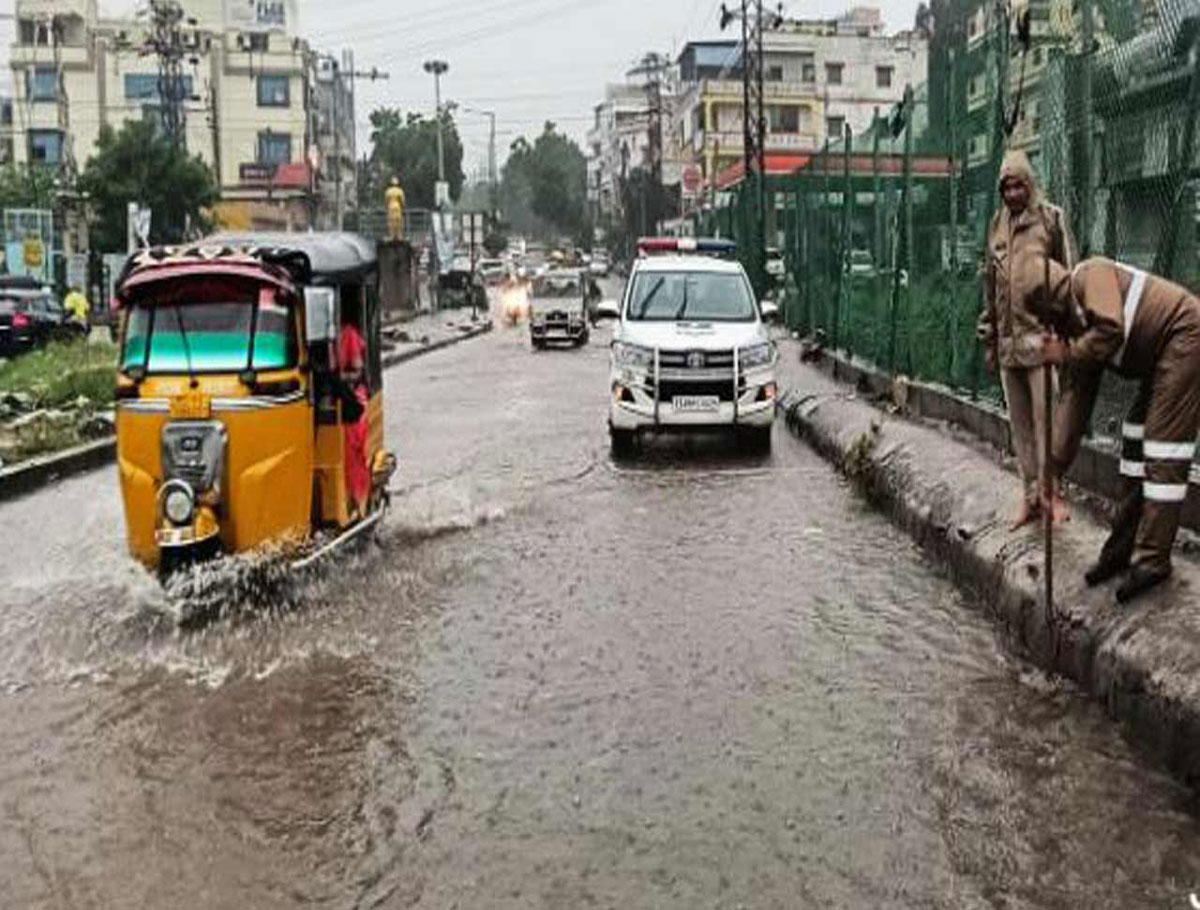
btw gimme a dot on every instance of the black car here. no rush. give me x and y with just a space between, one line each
30 315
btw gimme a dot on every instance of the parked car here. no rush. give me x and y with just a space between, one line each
599 266
31 315
492 271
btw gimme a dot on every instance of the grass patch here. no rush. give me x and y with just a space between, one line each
62 372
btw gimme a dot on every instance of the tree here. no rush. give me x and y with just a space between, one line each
545 186
138 164
405 148
26 188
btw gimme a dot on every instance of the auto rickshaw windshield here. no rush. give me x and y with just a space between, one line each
208 336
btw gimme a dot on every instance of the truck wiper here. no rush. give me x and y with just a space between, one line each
683 306
646 300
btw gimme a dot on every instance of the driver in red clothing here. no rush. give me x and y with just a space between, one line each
352 352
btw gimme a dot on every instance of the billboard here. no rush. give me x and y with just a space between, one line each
262 15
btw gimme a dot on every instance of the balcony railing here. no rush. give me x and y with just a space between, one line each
776 142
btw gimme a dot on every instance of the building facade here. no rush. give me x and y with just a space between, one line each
272 118
818 77
618 142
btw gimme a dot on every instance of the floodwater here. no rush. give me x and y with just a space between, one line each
697 681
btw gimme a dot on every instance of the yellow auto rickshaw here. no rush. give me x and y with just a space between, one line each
232 409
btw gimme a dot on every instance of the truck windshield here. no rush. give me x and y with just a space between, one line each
209 337
693 296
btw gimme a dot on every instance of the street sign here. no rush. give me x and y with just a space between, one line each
442 195
693 178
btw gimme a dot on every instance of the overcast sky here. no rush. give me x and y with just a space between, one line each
528 60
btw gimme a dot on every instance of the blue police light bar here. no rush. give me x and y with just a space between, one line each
705 246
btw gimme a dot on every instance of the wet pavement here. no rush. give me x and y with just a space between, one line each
699 680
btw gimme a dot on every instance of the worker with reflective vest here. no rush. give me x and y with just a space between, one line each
1105 315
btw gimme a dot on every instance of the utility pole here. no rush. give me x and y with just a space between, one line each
172 38
754 120
652 66
437 68
493 183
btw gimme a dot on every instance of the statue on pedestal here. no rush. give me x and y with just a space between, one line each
394 196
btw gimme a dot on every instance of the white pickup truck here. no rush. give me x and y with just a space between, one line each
690 349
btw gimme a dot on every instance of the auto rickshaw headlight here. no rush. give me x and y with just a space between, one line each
179 503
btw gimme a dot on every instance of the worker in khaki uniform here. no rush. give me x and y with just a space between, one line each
1011 335
1108 315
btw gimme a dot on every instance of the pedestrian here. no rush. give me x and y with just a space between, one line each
1112 316
77 307
1011 335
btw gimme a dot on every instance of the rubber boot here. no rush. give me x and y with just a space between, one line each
1139 581
1104 570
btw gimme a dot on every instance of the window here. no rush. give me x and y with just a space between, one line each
700 296
774 74
785 118
835 127
45 146
808 68
833 73
1037 56
42 84
30 31
144 87
6 151
883 77
273 91
274 148
258 42
6 112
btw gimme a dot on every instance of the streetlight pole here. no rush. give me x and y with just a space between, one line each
437 68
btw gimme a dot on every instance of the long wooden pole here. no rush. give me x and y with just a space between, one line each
1047 470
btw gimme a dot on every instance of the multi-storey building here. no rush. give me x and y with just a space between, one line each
618 142
273 118
818 77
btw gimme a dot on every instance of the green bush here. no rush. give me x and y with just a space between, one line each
61 372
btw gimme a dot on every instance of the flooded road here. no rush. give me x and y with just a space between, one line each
699 681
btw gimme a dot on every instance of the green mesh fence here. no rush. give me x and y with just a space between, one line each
883 232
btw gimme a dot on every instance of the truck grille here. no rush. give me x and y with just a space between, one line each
696 360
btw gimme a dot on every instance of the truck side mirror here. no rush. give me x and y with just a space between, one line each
321 317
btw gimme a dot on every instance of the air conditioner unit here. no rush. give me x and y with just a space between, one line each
326 69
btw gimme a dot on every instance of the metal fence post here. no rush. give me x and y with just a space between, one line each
843 257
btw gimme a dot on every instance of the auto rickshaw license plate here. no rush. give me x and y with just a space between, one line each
191 406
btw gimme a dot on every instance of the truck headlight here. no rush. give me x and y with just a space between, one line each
632 355
179 502
757 355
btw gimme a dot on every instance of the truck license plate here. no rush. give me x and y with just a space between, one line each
696 403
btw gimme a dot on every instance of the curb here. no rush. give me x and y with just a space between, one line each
1142 662
391 360
36 473
1096 468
